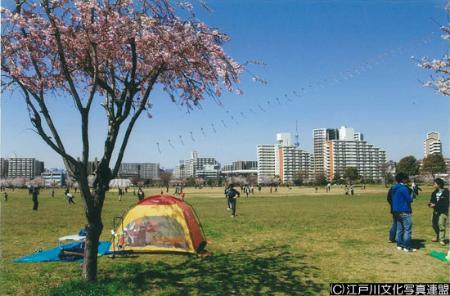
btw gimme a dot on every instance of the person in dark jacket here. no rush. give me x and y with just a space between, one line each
393 230
232 194
140 194
439 202
402 198
416 189
35 195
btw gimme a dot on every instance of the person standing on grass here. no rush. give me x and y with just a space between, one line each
439 202
415 188
232 195
247 190
35 195
226 196
5 196
120 194
401 206
393 230
140 194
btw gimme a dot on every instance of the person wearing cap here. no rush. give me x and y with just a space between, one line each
402 198
439 202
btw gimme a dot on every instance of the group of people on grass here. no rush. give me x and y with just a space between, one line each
400 197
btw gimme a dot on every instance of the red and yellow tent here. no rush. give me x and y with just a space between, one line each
160 223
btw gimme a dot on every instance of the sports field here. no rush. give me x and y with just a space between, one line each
290 242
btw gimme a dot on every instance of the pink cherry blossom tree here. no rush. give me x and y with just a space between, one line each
111 52
440 81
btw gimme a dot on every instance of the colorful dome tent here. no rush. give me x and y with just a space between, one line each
160 223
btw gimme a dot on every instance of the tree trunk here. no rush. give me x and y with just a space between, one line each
93 209
94 229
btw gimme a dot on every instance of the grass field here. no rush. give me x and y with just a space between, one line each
293 242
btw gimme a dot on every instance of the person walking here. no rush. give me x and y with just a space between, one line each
402 198
5 196
352 190
70 197
53 192
35 195
439 202
232 195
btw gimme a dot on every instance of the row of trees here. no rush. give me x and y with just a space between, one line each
432 164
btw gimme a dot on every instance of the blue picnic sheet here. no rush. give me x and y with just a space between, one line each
52 254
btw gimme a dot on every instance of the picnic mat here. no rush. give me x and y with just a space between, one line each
53 254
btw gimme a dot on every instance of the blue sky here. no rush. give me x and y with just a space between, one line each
302 43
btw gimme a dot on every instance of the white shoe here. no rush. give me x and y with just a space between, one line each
410 250
399 248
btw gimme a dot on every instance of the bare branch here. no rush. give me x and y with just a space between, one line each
133 119
37 122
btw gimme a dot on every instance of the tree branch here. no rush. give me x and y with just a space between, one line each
36 120
62 57
133 120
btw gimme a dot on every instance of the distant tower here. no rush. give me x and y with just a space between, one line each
296 143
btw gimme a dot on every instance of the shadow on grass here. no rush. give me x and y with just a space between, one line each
266 270
418 243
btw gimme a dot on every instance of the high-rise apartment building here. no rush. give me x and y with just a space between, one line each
128 170
202 167
282 159
145 170
24 167
290 161
350 151
3 168
149 170
266 162
241 167
432 144
320 135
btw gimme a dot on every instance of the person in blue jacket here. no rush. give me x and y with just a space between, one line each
401 208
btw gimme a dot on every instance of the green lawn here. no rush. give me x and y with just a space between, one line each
293 242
